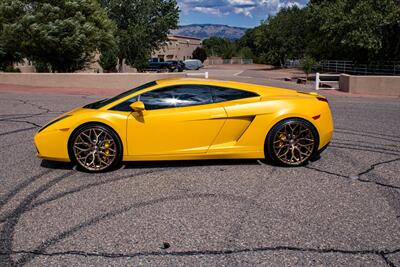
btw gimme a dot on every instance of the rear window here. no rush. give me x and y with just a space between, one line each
105 102
222 94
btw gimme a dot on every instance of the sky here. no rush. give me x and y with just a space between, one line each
240 13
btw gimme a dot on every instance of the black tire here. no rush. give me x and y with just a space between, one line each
288 149
116 157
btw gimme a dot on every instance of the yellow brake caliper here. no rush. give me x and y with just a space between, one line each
282 138
107 151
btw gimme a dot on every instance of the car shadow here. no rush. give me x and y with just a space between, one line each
163 164
188 163
56 165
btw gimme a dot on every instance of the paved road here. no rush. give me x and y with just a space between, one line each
342 210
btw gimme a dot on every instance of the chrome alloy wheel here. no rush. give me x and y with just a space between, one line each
294 143
95 149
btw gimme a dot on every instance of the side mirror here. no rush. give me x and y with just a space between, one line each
137 106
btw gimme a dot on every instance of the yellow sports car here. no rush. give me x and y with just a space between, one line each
187 119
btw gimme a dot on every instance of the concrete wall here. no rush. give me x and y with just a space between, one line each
84 80
370 85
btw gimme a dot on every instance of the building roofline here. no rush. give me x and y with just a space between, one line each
183 36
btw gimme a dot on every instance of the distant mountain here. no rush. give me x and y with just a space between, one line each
204 31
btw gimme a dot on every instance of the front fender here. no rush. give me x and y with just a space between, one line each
52 142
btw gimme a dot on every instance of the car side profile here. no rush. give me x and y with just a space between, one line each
189 119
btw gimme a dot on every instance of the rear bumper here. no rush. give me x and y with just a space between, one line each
323 148
325 128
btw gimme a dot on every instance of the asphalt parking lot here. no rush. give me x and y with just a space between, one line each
342 210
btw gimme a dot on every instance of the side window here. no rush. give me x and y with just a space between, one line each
222 94
177 96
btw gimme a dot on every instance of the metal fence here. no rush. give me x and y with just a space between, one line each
237 61
349 67
293 63
220 61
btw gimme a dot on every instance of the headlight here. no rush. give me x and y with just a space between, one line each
52 122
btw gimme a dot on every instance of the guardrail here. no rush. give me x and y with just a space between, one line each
318 81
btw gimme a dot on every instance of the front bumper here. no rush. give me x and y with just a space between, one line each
52 145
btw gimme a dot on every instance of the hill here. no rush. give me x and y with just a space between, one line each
204 31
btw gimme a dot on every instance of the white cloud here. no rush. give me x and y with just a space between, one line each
244 10
245 7
207 10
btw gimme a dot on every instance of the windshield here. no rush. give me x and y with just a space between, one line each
105 102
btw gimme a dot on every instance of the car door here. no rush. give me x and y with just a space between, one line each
240 108
181 119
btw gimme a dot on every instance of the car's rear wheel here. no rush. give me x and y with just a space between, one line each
292 142
95 148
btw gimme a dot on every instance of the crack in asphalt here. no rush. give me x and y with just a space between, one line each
27 102
18 131
17 118
25 116
24 121
9 226
371 168
381 253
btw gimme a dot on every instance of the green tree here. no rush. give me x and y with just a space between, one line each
307 63
64 35
248 39
362 31
10 44
142 27
282 37
246 53
108 60
221 47
200 54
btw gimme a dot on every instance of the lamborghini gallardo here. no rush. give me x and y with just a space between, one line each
190 119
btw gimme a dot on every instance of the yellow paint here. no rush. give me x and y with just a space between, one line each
232 129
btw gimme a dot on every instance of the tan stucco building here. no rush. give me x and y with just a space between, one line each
178 48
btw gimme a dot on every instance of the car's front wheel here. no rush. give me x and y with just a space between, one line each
95 148
292 142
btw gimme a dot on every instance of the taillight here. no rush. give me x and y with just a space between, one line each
323 99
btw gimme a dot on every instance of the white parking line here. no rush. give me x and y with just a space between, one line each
238 73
